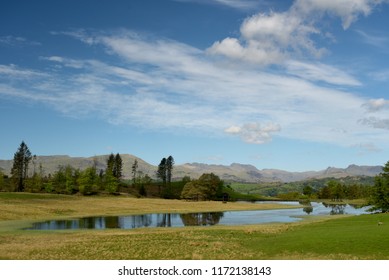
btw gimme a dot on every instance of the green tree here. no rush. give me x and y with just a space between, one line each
19 169
142 181
207 187
115 165
307 190
110 182
161 172
169 169
134 169
212 185
70 180
88 181
111 163
336 190
59 180
118 167
36 182
2 185
380 191
194 191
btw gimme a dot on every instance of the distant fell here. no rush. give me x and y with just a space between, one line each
234 173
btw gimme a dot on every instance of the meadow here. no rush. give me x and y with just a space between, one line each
333 237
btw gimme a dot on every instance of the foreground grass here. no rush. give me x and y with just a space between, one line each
356 237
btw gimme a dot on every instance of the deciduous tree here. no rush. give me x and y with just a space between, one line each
380 193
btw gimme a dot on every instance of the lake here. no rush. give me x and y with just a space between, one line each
201 219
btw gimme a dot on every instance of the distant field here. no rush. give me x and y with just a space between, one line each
357 237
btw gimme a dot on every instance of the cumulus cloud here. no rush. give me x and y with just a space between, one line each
269 38
347 10
254 133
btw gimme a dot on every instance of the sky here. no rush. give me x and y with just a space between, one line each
294 85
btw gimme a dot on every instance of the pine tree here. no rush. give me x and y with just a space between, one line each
161 172
115 166
110 163
19 169
118 166
134 169
169 169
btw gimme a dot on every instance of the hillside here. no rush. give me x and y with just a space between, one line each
233 173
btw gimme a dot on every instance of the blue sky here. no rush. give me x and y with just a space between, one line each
295 85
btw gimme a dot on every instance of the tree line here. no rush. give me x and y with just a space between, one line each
69 180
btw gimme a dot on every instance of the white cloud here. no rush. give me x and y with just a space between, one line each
382 75
320 72
375 105
378 41
14 72
16 41
164 84
376 122
254 133
236 4
239 4
347 10
269 38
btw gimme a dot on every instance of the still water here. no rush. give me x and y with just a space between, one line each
200 219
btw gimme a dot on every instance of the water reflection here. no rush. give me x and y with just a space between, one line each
308 209
202 219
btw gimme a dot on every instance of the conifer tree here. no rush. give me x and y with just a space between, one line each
169 169
134 169
118 166
19 169
161 172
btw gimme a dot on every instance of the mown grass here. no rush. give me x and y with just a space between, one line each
357 237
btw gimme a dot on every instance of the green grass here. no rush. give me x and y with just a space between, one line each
352 237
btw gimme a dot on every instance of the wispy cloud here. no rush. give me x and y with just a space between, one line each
375 40
236 4
321 72
165 84
16 41
381 75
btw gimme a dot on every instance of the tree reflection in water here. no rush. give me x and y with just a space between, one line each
201 219
308 208
165 220
336 209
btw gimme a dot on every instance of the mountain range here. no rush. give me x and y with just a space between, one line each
233 173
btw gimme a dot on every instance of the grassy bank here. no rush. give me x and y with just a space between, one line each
327 238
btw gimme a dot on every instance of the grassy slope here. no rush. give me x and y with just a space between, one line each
334 238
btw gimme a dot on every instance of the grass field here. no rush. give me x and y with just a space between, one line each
357 237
